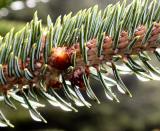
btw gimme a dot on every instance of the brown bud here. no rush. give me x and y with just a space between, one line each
59 58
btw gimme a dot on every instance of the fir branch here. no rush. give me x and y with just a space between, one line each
67 53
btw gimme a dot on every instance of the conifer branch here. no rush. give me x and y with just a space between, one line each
66 54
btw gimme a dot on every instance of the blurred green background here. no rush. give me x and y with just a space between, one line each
140 113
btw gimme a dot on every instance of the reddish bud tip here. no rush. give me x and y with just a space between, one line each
59 58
